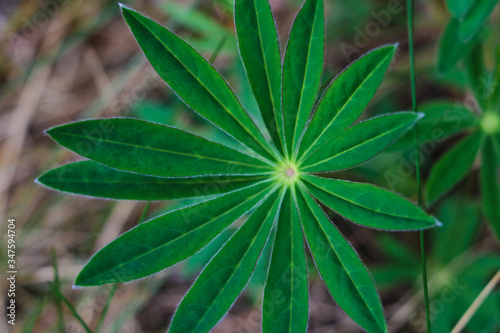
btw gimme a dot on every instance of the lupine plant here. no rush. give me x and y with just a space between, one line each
463 40
275 182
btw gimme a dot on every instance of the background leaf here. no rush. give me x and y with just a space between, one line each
341 269
458 8
452 167
97 180
475 18
302 69
259 50
143 250
368 205
442 119
152 149
452 48
194 80
490 185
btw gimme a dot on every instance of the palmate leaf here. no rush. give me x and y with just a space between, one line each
168 239
259 50
285 304
302 69
452 167
140 160
153 149
346 98
360 143
368 205
97 180
341 269
490 184
222 280
194 80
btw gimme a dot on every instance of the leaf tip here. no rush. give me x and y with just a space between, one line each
420 115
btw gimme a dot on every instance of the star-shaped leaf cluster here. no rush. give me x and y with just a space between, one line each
272 181
481 137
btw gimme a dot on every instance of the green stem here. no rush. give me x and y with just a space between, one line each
106 308
143 215
70 306
409 5
57 283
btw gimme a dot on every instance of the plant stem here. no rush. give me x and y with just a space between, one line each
58 294
106 307
409 5
57 283
476 304
143 215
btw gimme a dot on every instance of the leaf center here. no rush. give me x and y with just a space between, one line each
490 123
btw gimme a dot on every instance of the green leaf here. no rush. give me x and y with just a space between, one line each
395 248
459 8
194 80
97 180
360 143
346 98
194 265
452 167
495 85
342 271
302 69
168 239
368 205
490 185
442 119
153 149
460 219
475 18
285 304
451 47
476 71
223 279
259 50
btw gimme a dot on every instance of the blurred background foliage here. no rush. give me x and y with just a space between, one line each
65 60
